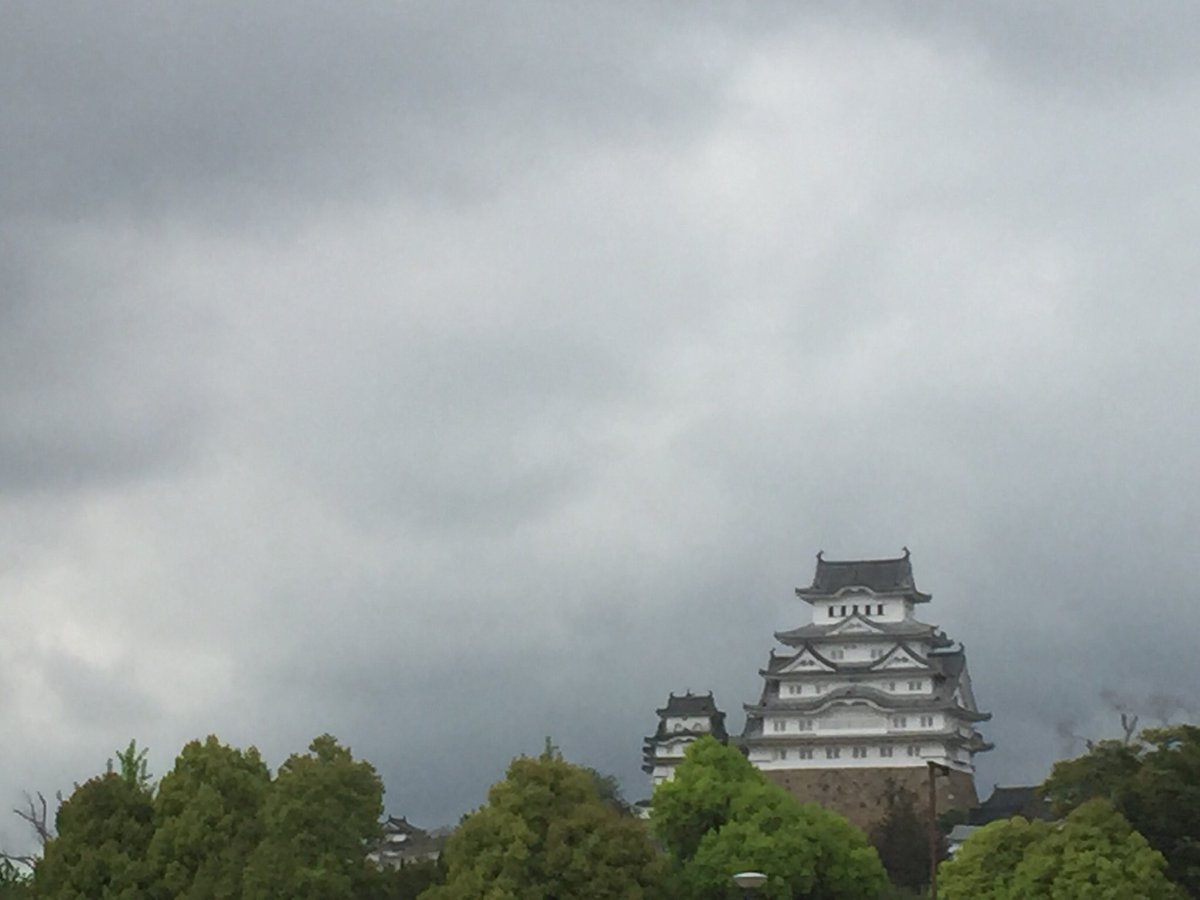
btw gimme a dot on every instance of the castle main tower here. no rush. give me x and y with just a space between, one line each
865 697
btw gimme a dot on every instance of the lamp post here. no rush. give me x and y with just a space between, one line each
750 882
935 837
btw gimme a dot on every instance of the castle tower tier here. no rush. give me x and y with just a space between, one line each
684 719
865 696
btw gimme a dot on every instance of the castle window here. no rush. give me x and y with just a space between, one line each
880 610
876 653
779 724
837 654
859 752
913 750
899 721
805 724
843 610
926 721
854 609
832 614
891 685
781 754
832 752
885 752
916 685
805 753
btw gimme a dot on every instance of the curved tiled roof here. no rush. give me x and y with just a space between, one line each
879 631
885 700
689 704
881 576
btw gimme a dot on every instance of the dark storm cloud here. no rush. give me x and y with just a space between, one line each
142 108
449 376
94 387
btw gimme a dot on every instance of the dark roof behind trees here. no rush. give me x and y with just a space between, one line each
1007 802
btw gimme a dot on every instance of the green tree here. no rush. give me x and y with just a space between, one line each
99 853
1154 782
405 883
133 767
902 840
15 882
1092 855
1104 771
546 833
319 816
208 813
1162 801
699 798
719 815
983 867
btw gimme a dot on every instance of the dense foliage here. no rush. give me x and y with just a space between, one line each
208 816
547 832
1153 782
104 830
218 825
719 815
1092 855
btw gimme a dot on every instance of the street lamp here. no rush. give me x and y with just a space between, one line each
935 834
749 882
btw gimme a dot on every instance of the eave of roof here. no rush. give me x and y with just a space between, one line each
879 577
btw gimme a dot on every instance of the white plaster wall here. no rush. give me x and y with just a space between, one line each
688 723
893 610
767 757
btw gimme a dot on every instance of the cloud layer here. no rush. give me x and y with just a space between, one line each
446 376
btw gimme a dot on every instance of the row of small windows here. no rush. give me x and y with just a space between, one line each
801 724
784 753
781 725
854 610
797 690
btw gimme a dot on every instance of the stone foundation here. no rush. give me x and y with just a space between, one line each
860 794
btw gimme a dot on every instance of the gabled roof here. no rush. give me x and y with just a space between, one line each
794 663
879 576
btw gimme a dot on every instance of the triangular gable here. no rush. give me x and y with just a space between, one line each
807 660
901 657
855 624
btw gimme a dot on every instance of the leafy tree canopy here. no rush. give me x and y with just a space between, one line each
1093 855
718 815
545 832
15 882
319 816
208 817
103 830
1154 782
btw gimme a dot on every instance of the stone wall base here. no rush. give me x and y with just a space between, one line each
860 794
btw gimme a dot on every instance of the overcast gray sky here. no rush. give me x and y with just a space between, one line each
448 375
